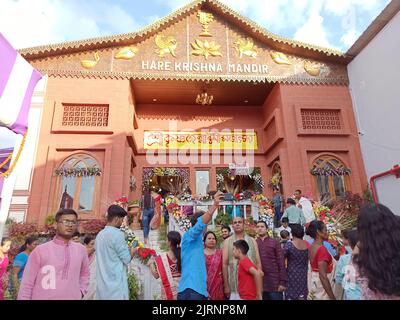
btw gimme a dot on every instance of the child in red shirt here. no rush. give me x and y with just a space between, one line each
249 277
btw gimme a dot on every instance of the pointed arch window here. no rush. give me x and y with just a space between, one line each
79 180
331 178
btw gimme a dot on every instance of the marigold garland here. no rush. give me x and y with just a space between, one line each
12 166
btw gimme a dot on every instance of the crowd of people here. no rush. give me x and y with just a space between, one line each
196 268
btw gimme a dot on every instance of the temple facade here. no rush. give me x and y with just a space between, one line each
202 99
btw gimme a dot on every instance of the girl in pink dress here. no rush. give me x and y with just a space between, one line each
4 248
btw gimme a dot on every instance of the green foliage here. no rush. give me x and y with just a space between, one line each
367 195
162 232
133 203
10 221
134 286
223 218
50 220
162 237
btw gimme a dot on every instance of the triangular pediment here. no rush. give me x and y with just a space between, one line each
203 40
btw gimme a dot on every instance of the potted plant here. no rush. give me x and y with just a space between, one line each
134 214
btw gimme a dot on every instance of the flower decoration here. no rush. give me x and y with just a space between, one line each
254 174
329 218
205 198
238 197
176 213
276 180
342 171
187 197
78 172
144 254
149 173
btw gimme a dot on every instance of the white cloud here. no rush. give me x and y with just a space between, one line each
341 7
50 21
313 30
349 38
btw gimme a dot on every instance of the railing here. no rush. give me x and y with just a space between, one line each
246 207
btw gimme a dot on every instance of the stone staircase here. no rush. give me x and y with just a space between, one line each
150 287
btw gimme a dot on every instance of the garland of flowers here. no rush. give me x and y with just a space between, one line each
276 180
12 166
78 172
255 175
181 219
142 253
149 173
328 217
265 211
186 197
342 171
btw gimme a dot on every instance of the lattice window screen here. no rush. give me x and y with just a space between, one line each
85 116
321 120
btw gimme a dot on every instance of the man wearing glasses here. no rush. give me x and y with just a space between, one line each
58 269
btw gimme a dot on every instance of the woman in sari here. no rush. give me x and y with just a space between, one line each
89 243
320 286
215 281
5 246
167 267
156 220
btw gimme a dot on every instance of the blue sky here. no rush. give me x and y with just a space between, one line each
330 23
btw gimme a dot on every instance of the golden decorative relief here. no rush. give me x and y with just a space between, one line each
89 64
312 69
166 45
205 19
246 47
127 53
206 48
280 58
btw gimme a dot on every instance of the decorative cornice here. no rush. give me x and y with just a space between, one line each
128 38
185 76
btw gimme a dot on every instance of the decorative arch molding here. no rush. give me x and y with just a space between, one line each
330 176
78 182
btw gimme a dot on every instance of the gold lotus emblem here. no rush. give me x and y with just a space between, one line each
166 45
127 53
206 48
89 64
246 47
205 19
312 69
280 58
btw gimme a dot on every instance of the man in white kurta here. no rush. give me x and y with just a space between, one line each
306 205
112 258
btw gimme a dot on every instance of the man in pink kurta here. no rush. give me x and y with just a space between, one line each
58 269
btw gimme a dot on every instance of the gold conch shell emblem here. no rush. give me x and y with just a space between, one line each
166 45
246 47
89 64
127 53
312 68
206 48
280 58
205 19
